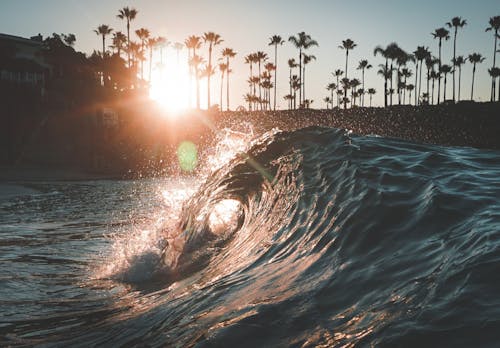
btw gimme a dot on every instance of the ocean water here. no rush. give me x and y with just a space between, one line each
307 238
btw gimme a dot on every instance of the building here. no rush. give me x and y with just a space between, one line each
22 61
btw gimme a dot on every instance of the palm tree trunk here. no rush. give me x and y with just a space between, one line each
416 83
472 87
227 86
433 81
260 89
428 78
370 100
275 73
454 58
300 76
444 88
128 42
150 63
494 65
209 74
221 88
459 81
363 79
391 84
304 82
439 73
419 85
103 46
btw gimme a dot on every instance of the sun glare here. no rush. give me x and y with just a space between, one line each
170 86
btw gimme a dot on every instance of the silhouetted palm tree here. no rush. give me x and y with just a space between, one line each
292 64
440 34
275 40
494 26
363 64
129 15
495 73
195 62
445 69
347 45
193 43
228 53
430 61
474 58
389 53
222 69
456 22
457 63
420 54
119 40
213 39
151 44
386 73
260 58
103 30
337 74
434 75
331 87
295 86
409 88
302 41
371 92
143 35
306 60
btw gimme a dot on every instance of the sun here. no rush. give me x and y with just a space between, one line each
170 84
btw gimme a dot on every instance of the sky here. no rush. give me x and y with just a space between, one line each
246 27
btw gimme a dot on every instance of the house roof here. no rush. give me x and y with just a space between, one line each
20 40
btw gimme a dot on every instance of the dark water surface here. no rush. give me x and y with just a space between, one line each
309 238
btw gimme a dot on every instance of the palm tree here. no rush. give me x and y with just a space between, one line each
420 54
363 64
119 39
213 39
346 84
302 41
306 60
193 43
260 58
371 92
347 45
270 67
353 84
390 52
331 87
474 58
445 69
143 35
337 74
222 68
402 59
291 65
495 73
434 75
386 73
151 43
409 88
295 86
456 22
440 34
327 101
195 62
275 40
103 30
228 53
430 61
129 15
406 73
494 26
457 63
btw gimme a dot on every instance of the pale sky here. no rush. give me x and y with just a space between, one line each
246 26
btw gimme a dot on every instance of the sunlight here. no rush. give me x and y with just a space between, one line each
170 85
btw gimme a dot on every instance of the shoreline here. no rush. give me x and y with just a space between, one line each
143 142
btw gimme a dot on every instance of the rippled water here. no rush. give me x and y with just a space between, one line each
307 238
